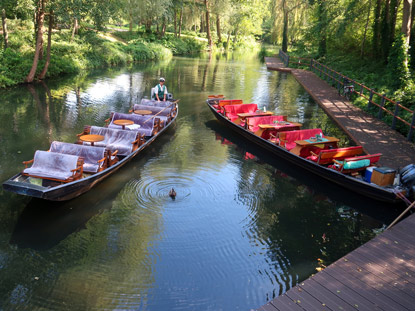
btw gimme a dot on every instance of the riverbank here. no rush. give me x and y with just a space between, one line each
88 50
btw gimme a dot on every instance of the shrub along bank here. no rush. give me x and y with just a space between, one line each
87 50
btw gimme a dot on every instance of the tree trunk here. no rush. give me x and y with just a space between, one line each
394 13
209 36
5 33
407 19
180 22
148 26
218 28
228 40
412 38
131 21
285 29
362 49
41 18
175 22
202 25
163 27
377 29
322 20
75 28
385 34
50 28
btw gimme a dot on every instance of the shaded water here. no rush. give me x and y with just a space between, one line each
244 228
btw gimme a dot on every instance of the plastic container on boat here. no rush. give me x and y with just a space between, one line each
368 174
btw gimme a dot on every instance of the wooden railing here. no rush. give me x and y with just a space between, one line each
387 108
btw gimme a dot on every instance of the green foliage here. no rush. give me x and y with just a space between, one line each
398 63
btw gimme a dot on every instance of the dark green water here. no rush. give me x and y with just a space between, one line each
244 228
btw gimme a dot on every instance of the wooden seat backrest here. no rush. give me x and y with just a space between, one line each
292 136
230 102
339 153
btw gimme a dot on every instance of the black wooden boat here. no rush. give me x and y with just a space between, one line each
21 184
370 190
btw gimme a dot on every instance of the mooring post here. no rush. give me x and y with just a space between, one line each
370 99
395 114
411 129
382 103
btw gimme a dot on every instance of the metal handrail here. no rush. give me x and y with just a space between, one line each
337 79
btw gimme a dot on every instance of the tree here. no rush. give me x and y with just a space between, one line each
50 28
39 38
4 23
209 36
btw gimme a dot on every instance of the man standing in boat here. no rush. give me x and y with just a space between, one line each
160 91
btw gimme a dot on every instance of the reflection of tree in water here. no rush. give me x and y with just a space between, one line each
297 225
111 239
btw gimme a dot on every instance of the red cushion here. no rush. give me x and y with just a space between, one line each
292 136
254 122
233 110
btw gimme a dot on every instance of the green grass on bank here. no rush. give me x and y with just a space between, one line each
87 50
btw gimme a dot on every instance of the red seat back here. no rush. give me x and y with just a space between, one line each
292 136
254 122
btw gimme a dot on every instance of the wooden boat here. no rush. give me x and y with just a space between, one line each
389 194
50 189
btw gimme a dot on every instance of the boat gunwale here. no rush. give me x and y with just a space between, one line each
87 180
382 194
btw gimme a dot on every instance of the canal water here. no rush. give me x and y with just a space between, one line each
244 227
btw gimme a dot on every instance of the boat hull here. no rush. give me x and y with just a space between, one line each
358 186
74 189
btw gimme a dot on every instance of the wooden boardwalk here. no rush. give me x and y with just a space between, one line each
380 275
372 134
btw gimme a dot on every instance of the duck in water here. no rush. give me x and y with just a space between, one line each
172 194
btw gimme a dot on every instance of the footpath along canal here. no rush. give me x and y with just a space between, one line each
244 227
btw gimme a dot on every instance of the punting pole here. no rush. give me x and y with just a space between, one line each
401 215
175 102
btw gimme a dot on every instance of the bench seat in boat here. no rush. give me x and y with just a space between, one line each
160 111
142 124
327 156
94 157
123 141
231 111
54 166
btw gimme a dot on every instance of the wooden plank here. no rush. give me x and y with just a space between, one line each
364 272
379 293
399 250
284 303
267 307
304 299
328 299
347 294
376 258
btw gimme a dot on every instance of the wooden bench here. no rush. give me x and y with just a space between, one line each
231 111
327 156
54 166
118 142
287 139
168 112
343 166
147 125
95 158
225 102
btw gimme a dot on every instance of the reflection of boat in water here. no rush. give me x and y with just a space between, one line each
115 145
322 190
345 181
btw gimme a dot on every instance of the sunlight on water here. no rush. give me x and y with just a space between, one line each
243 228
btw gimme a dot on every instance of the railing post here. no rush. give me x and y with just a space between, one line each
395 114
411 129
311 65
361 89
288 61
370 99
382 103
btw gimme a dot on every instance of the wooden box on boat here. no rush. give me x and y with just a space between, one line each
383 176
